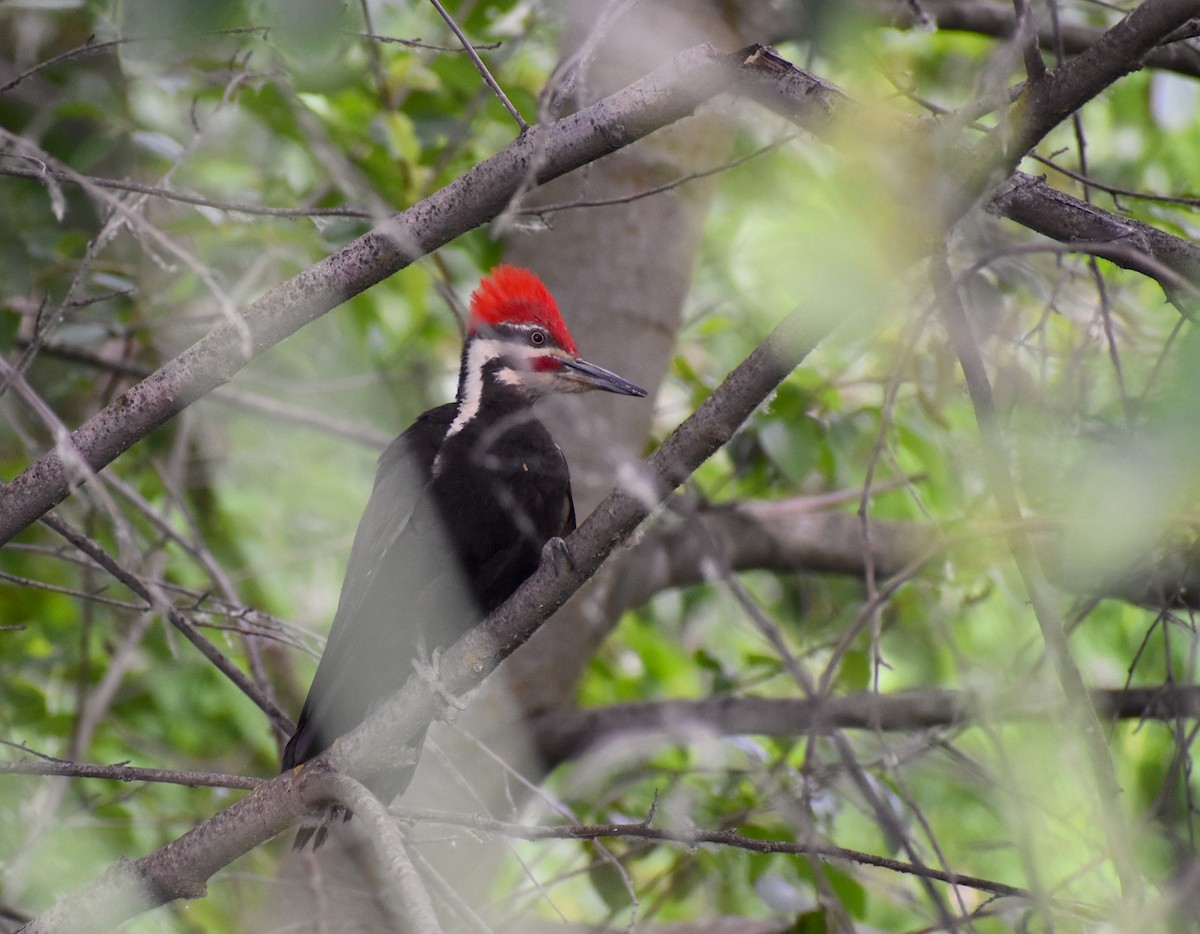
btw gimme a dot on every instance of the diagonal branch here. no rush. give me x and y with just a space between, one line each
1041 598
543 152
991 18
182 868
1173 262
280 720
374 745
667 94
1048 102
490 81
570 733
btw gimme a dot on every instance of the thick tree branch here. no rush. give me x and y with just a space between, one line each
542 153
1048 102
802 536
1173 262
569 733
182 868
787 536
988 18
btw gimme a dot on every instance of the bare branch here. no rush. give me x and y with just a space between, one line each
539 210
183 197
1090 181
788 536
1068 87
480 66
643 831
569 733
429 46
89 48
990 18
401 892
280 720
1173 262
181 869
1003 491
480 195
129 773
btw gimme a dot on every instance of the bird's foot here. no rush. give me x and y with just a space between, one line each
318 832
556 554
428 670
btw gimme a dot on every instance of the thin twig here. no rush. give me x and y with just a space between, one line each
44 765
87 49
429 46
280 720
74 592
171 194
1041 598
376 60
1116 190
480 66
642 831
655 189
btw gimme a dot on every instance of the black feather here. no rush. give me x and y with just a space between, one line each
453 526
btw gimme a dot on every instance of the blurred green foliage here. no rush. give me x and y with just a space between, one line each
288 106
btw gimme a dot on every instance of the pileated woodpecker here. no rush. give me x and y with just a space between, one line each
464 500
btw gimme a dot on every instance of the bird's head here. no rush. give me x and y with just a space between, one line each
517 337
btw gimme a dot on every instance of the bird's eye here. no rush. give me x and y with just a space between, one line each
537 338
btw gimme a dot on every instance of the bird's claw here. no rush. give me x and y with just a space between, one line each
556 554
317 832
428 671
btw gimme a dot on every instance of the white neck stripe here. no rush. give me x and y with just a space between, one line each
470 394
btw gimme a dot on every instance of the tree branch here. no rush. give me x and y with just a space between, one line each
802 536
1048 102
787 536
1173 262
280 720
181 869
998 19
545 152
542 153
128 773
569 733
693 838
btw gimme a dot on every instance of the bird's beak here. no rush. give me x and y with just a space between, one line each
595 377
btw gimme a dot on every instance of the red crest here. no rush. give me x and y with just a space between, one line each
512 295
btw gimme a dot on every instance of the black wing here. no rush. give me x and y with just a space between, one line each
502 491
397 582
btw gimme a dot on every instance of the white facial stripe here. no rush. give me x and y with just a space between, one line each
481 351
